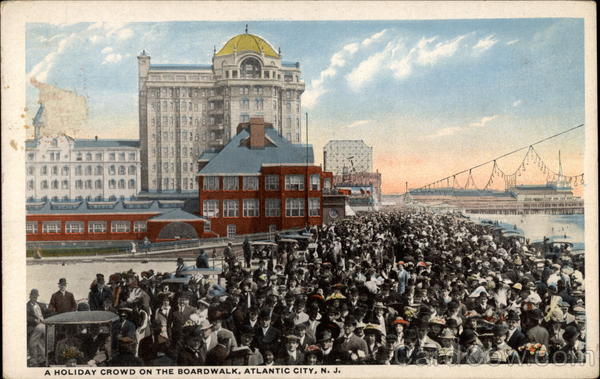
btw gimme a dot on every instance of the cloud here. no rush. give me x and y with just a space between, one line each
107 50
124 34
444 132
517 103
483 121
485 44
359 123
41 70
112 58
373 38
401 60
512 42
366 70
318 87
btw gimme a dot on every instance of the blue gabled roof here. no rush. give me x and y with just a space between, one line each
180 67
236 159
37 119
176 215
81 143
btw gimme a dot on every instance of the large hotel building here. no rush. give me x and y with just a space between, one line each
185 110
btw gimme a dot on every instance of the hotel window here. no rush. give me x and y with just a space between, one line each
314 206
288 106
294 182
73 227
98 184
78 184
294 207
44 170
55 184
65 170
251 208
250 183
96 226
98 156
44 184
121 183
88 184
65 184
121 156
272 207
131 170
120 227
244 118
112 184
231 231
30 185
98 170
30 156
122 170
211 183
54 170
139 226
88 170
111 156
132 156
231 183
244 104
131 184
206 226
79 156
88 156
231 208
51 227
327 184
31 170
272 182
315 182
31 227
210 208
259 104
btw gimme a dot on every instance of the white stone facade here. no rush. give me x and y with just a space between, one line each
185 110
347 156
63 168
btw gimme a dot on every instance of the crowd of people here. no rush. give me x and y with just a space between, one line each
401 287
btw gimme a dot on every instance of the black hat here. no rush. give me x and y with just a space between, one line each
325 335
468 336
350 320
62 281
570 332
265 314
500 329
536 314
513 316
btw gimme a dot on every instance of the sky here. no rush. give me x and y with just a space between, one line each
431 97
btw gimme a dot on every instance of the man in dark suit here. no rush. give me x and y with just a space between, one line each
349 344
36 330
178 318
218 354
194 351
267 336
126 356
62 301
123 327
291 356
515 337
325 341
99 293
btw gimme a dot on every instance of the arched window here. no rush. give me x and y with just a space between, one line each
44 184
131 184
55 184
98 170
112 184
111 170
88 170
131 170
65 170
65 184
88 184
88 156
121 170
98 184
78 184
30 185
121 183
78 170
250 68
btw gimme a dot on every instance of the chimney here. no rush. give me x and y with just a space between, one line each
256 128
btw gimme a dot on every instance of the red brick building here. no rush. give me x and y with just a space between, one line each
111 220
260 182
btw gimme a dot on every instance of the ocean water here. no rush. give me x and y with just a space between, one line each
537 226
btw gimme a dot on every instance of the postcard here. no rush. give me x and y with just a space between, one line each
299 189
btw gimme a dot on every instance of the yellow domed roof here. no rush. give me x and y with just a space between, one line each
245 42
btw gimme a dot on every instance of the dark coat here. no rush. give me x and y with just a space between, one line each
97 297
517 339
286 360
125 359
60 303
149 347
268 341
217 356
187 357
345 347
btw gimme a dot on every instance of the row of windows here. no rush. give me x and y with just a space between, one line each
55 156
78 227
294 207
80 184
250 183
87 170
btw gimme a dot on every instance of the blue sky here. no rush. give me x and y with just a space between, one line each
431 97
